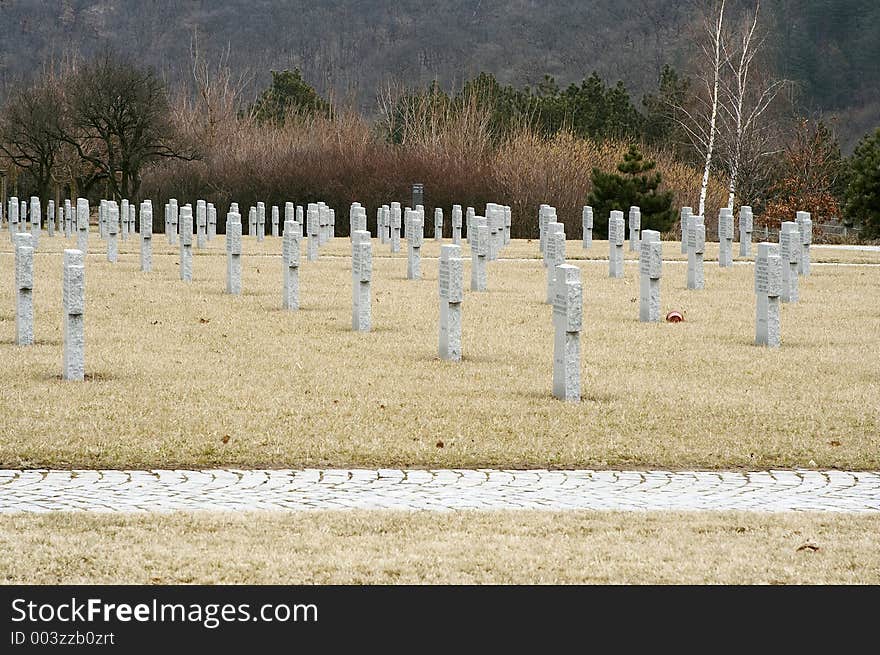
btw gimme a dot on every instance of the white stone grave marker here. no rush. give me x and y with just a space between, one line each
725 238
201 224
261 221
555 249
111 229
805 225
82 225
789 253
768 286
686 213
456 225
233 253
36 215
650 267
414 242
696 248
186 235
380 225
13 218
746 227
313 218
495 218
479 255
546 215
173 219
146 236
68 219
616 234
123 219
290 252
543 219
50 218
395 227
24 289
361 275
567 321
102 219
635 228
73 360
438 224
212 221
587 225
451 282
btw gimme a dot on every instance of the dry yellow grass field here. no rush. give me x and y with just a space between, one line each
440 548
183 375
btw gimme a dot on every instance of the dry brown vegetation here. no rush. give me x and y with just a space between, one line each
347 159
440 548
173 369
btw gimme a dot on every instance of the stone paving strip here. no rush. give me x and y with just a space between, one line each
313 489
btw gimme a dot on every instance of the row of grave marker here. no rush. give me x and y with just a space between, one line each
775 273
498 220
180 220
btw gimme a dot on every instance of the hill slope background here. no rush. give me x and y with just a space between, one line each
829 48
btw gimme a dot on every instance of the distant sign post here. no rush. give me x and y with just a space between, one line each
2 193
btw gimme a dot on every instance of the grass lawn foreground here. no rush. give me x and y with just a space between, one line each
440 548
184 376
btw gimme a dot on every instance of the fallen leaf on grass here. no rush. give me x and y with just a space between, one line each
834 442
204 320
439 444
809 545
225 438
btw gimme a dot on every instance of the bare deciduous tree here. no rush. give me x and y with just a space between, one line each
747 139
119 120
215 96
699 120
29 128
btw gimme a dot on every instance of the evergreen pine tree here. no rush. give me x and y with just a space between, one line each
289 92
862 205
635 183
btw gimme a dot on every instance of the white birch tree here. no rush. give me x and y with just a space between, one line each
700 120
745 99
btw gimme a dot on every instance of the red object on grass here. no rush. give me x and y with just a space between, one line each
674 317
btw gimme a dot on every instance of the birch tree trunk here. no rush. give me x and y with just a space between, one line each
731 190
744 101
713 119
